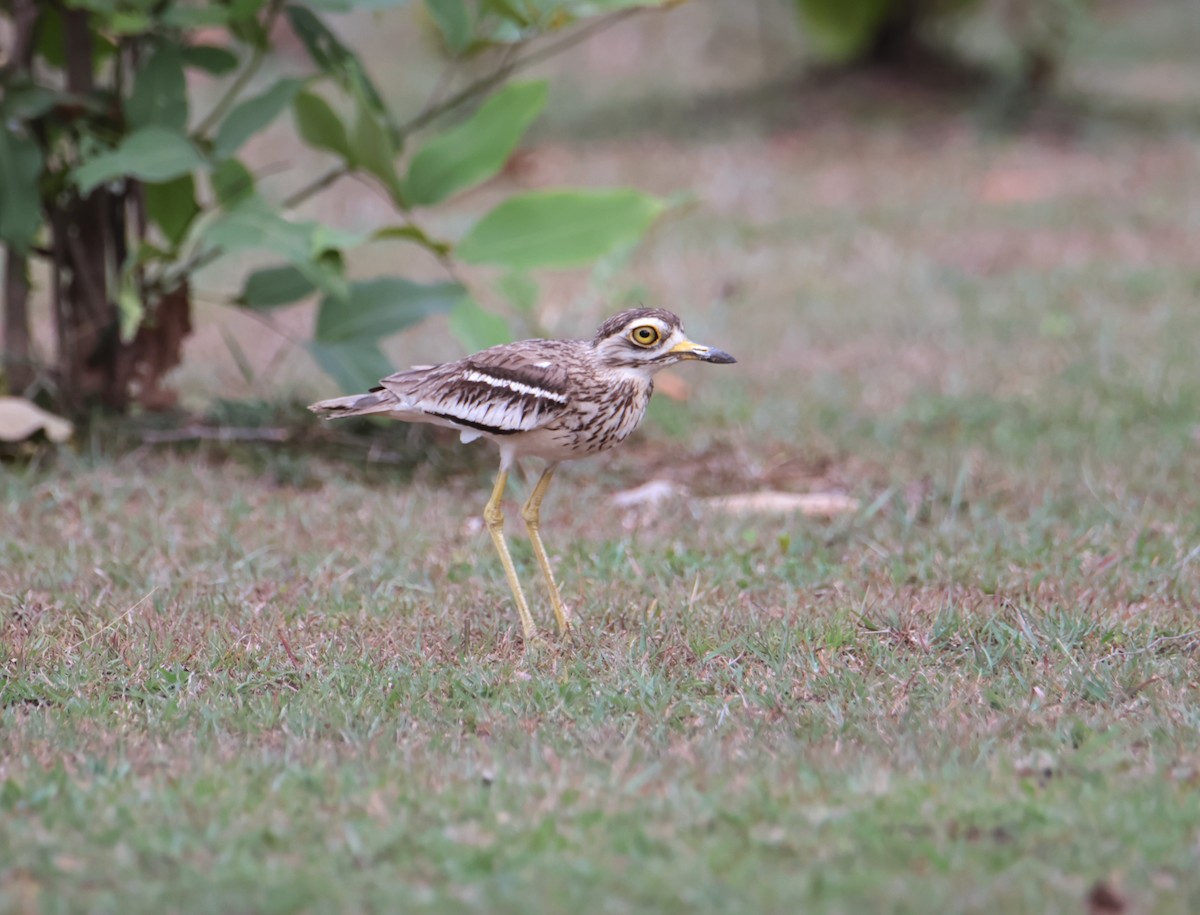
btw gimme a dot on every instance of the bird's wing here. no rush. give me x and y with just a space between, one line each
515 387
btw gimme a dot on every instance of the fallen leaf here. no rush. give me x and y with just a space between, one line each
648 494
813 504
20 419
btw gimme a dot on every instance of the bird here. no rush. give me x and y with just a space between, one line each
557 400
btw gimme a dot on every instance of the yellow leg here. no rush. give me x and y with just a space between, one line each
532 515
493 516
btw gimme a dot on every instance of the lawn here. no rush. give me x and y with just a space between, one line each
288 676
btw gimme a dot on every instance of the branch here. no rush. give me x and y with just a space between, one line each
18 362
430 113
316 186
508 68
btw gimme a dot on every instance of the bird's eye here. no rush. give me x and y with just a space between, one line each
646 335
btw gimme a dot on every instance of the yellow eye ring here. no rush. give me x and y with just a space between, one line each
645 335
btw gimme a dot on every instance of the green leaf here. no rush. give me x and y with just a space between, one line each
253 115
199 14
520 290
275 286
172 206
128 22
151 154
320 126
502 32
195 17
313 249
210 58
26 101
130 308
324 47
330 238
146 253
232 181
412 233
250 30
159 94
513 12
475 328
376 153
20 205
356 365
252 223
453 21
477 149
558 228
373 309
334 58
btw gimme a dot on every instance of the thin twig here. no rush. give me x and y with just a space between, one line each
113 622
508 68
1192 638
264 320
441 85
316 186
287 648
242 79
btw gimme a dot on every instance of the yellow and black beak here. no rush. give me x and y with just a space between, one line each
689 350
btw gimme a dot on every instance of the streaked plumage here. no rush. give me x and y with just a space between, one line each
553 399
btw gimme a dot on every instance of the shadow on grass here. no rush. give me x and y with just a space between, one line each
822 98
278 439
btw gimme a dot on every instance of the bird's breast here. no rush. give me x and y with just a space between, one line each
608 416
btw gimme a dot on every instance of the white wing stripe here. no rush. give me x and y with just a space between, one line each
515 386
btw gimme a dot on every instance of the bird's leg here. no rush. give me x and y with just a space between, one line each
532 515
493 516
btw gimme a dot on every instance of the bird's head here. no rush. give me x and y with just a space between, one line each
648 339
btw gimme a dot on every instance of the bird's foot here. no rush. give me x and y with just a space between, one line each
536 645
566 621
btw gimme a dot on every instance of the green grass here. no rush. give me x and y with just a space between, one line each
261 678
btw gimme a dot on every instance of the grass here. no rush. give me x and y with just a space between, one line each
262 678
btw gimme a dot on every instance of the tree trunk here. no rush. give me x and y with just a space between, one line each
898 39
904 46
89 237
19 369
18 363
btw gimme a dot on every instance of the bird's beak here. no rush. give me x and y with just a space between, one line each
689 350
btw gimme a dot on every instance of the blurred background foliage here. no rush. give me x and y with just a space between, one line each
122 172
912 33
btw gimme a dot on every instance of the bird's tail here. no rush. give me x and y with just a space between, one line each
381 401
